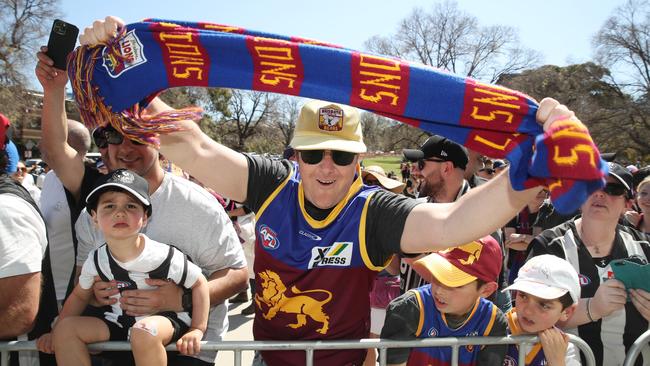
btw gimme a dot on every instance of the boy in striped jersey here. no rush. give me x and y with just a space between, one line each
120 207
548 291
452 305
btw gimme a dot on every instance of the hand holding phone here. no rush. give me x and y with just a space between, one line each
63 38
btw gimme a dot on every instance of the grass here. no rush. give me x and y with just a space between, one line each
388 162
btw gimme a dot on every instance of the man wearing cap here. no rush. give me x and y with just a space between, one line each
322 231
181 207
23 243
442 164
604 318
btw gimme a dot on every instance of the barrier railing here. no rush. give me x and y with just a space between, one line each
525 343
638 346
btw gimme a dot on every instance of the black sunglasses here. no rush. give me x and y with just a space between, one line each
614 189
421 162
99 138
109 135
488 170
340 158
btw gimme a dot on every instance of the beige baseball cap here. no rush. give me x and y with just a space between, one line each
328 126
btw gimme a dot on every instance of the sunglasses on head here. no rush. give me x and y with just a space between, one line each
108 135
340 158
421 162
615 189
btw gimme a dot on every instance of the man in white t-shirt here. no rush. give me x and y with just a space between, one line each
22 245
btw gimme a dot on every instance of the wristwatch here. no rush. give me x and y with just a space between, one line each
187 299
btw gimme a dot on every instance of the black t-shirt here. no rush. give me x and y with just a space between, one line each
387 211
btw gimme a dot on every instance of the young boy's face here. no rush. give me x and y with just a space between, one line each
459 300
536 314
119 215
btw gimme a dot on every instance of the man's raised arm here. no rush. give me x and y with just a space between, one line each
430 227
60 156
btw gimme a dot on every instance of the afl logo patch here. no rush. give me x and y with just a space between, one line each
123 285
269 238
509 361
433 332
584 280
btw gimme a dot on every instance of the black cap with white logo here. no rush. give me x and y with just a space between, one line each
121 180
442 148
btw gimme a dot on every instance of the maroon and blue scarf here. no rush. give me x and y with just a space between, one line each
112 83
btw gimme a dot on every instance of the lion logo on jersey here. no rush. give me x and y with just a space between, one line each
274 297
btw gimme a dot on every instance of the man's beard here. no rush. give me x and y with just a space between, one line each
431 189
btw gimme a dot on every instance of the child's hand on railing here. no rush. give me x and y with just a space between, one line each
190 342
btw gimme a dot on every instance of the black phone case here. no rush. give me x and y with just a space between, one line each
63 38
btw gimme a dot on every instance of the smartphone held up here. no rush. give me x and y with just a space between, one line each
63 38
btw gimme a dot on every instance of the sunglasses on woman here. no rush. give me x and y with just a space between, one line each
614 189
340 158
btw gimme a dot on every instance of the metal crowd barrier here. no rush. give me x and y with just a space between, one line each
638 346
525 343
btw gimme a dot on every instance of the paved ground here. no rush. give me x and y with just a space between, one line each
241 329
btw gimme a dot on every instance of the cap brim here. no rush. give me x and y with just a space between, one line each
621 180
392 185
537 289
105 185
412 154
436 266
322 142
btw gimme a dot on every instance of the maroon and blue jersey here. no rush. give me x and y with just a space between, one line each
535 356
313 277
433 324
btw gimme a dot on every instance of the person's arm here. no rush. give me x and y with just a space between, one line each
190 342
488 206
18 303
201 156
61 157
609 297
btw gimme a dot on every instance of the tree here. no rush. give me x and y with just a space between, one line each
451 39
248 110
623 44
287 112
601 105
23 25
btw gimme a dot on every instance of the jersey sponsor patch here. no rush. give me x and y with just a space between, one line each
310 235
433 332
339 254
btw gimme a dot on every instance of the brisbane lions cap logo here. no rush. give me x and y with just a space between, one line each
330 118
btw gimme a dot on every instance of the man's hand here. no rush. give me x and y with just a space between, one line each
166 297
641 301
518 241
50 77
555 344
101 31
609 297
103 292
550 110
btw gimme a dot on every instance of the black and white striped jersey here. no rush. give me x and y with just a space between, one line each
157 260
609 337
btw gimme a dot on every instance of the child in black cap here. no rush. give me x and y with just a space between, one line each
120 207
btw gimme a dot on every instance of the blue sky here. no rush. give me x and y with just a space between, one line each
560 29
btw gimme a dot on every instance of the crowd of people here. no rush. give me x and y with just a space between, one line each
328 249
